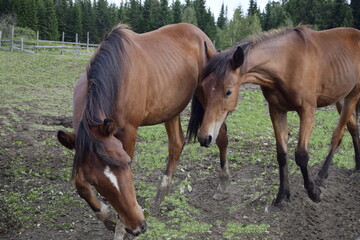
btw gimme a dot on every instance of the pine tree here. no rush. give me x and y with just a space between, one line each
47 20
222 19
77 19
21 10
253 8
88 22
150 15
342 15
62 12
113 14
7 7
33 21
102 18
164 13
200 12
122 12
134 16
275 16
176 11
355 6
189 15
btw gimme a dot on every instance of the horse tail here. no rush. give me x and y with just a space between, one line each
197 114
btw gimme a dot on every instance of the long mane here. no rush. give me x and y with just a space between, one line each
219 65
104 74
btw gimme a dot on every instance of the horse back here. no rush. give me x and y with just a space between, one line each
338 56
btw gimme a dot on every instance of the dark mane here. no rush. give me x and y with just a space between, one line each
103 73
219 65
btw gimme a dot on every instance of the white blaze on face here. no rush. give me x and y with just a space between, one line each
215 128
110 175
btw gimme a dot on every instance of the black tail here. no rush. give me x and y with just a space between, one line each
197 114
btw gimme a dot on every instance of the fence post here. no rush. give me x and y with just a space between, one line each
37 41
12 38
63 37
87 41
76 44
22 44
0 37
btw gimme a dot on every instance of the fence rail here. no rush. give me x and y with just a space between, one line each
37 45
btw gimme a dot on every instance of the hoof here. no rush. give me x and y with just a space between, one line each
220 196
120 233
110 225
355 175
274 207
315 196
319 181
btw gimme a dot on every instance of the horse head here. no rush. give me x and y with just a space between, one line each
101 161
219 93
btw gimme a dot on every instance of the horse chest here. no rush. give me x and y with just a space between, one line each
283 100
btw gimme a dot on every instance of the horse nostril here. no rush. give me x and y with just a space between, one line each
205 141
208 141
143 227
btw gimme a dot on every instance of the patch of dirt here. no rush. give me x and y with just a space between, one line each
337 216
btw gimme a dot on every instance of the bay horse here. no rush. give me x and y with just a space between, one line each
299 70
132 80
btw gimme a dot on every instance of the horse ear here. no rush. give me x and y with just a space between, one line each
209 52
66 139
237 59
109 127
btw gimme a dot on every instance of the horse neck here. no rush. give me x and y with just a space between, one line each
257 67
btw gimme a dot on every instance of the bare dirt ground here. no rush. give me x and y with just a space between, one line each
337 216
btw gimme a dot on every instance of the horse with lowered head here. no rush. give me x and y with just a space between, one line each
132 80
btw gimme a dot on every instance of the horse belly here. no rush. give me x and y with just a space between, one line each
336 86
166 103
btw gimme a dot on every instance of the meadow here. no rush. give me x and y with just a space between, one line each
38 200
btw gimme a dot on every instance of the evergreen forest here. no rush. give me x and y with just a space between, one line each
96 17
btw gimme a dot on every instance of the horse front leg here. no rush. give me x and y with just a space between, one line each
102 211
176 142
307 116
279 121
224 175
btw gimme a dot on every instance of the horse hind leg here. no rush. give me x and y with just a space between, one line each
101 210
176 143
346 118
224 175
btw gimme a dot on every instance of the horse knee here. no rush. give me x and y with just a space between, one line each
302 158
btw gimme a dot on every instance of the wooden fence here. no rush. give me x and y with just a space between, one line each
38 45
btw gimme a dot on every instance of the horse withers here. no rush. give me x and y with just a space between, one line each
132 80
299 70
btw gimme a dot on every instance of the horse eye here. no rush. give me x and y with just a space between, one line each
228 93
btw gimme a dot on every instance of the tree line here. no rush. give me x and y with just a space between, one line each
52 17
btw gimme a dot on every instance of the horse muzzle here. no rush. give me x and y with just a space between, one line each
205 141
137 231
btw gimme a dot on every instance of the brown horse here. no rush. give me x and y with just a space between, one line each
298 70
133 80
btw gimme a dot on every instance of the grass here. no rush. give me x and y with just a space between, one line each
35 189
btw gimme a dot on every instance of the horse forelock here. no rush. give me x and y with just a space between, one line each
86 143
104 75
